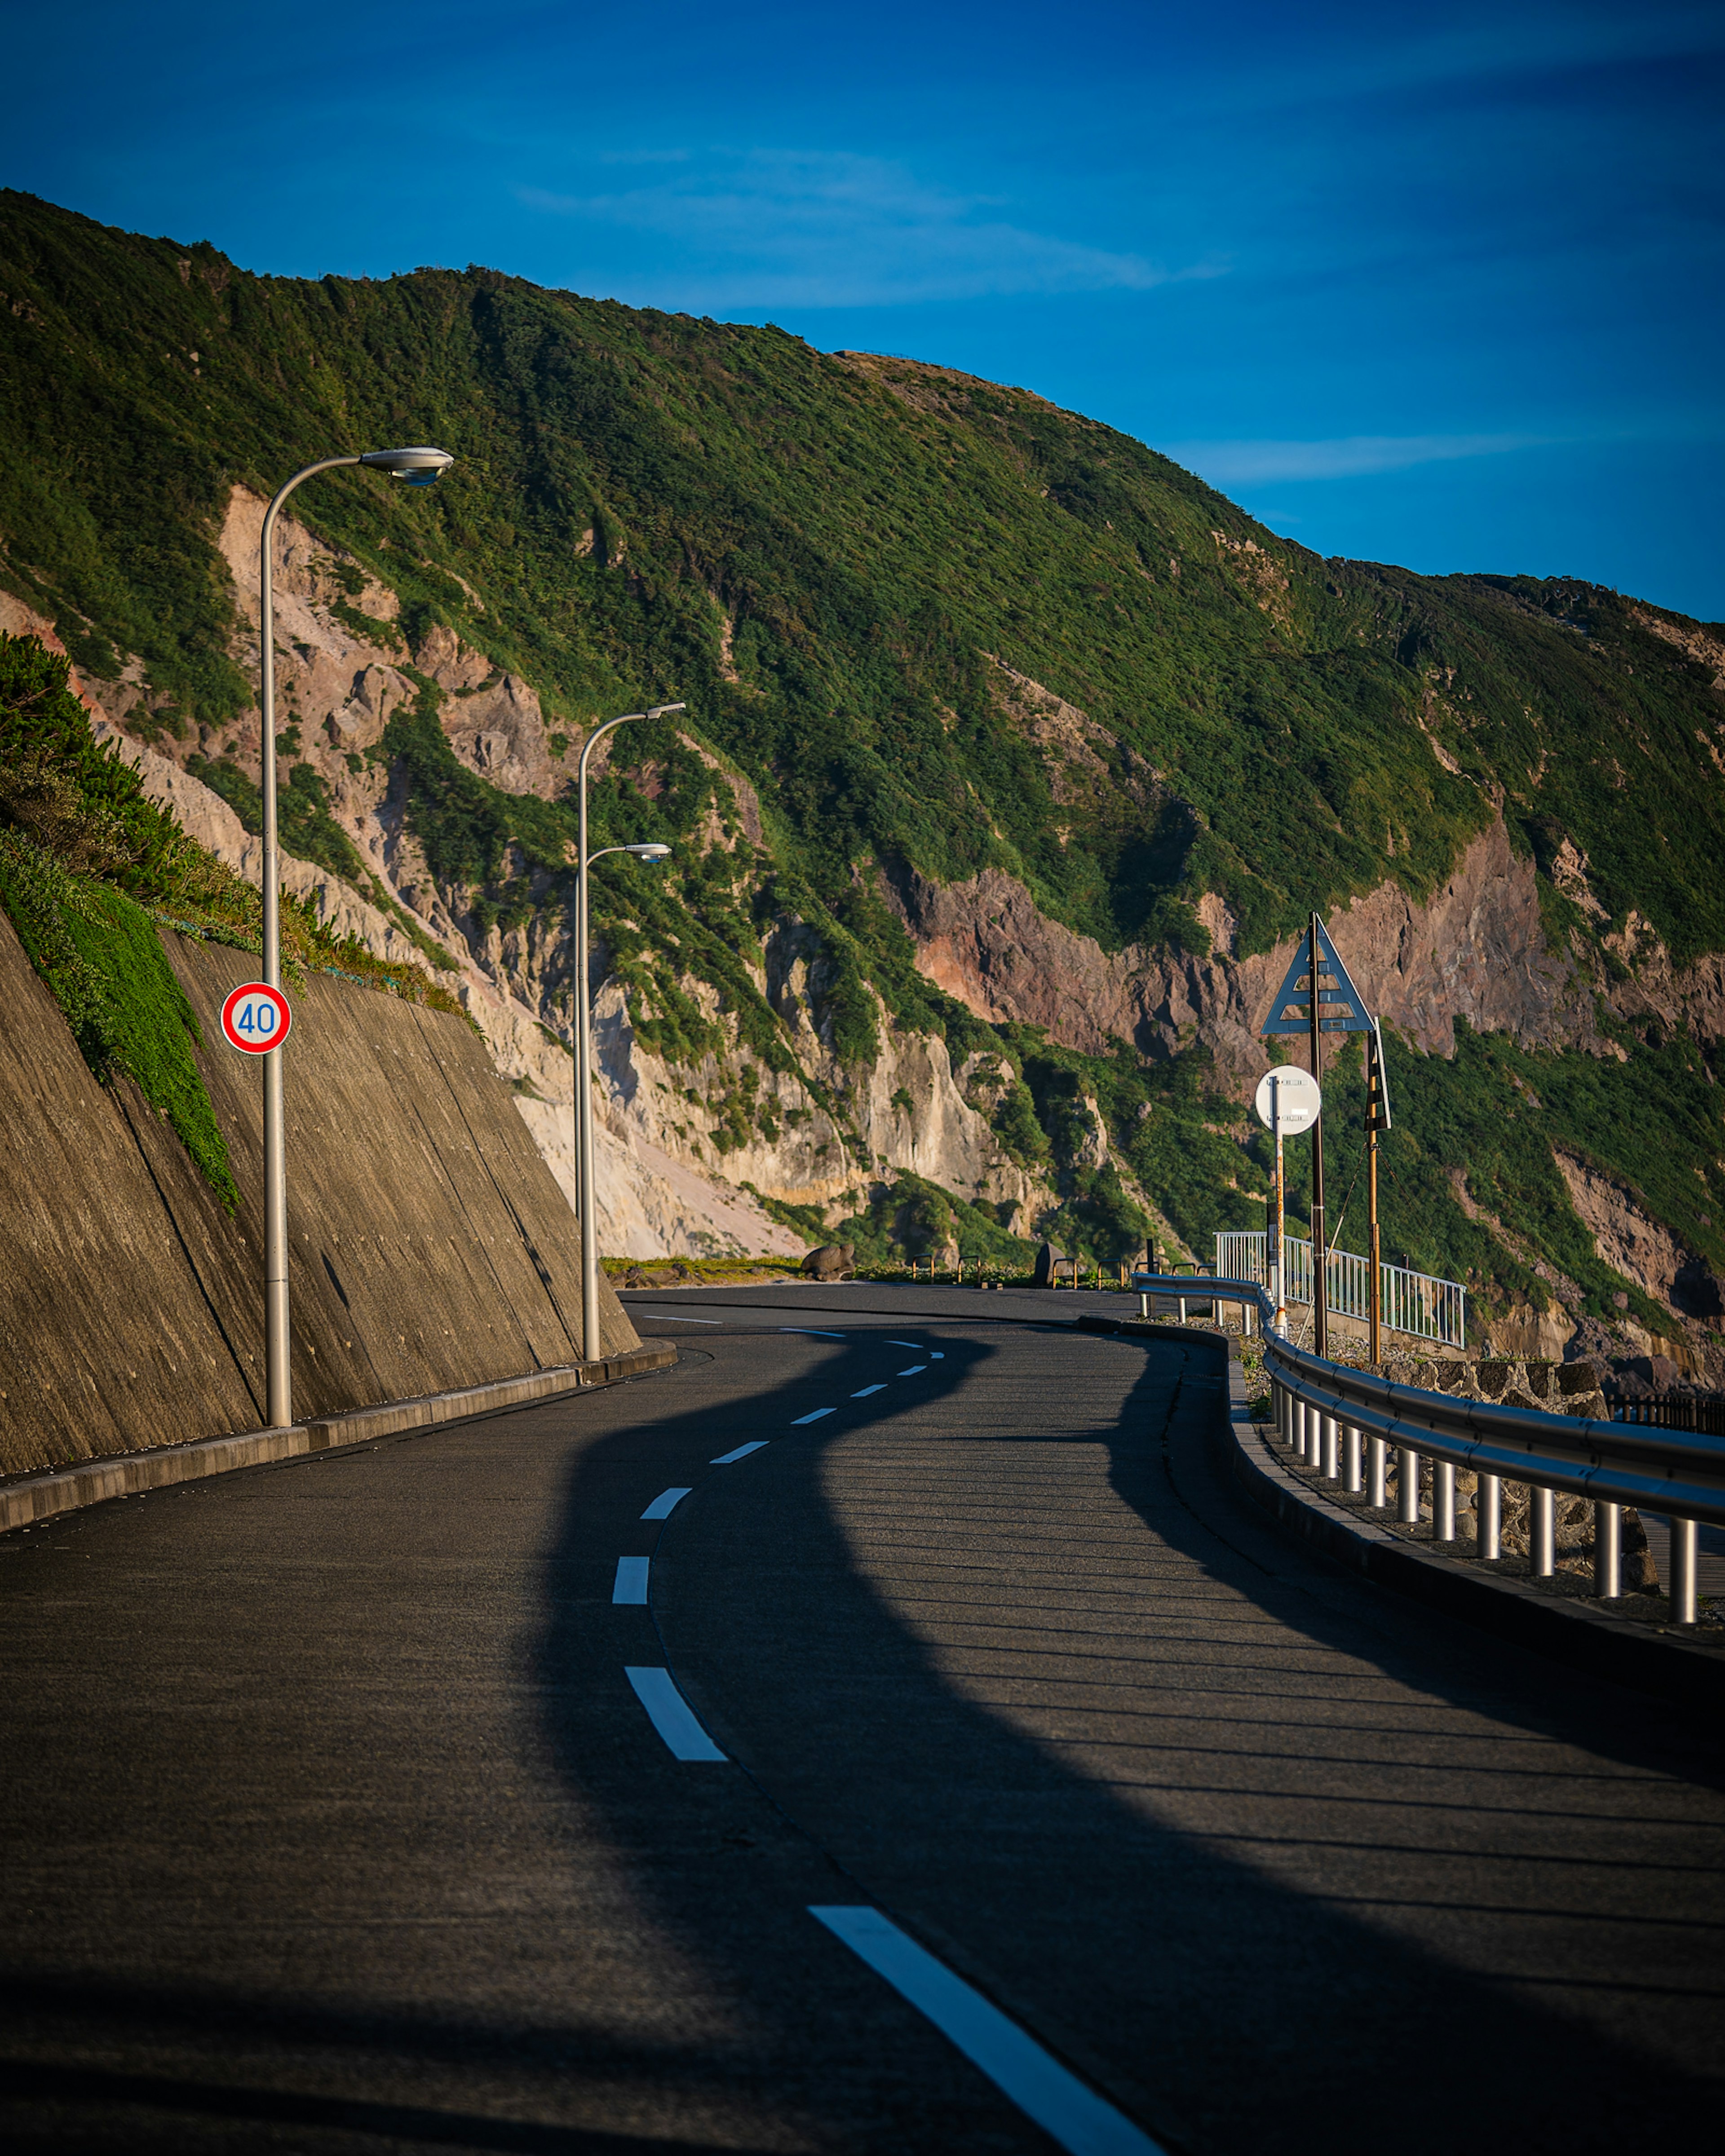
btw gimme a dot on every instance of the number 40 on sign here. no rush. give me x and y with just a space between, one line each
255 1019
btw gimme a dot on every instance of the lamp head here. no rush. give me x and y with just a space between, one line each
418 467
653 853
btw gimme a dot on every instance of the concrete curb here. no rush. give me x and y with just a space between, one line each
1586 1638
125 1475
1158 1328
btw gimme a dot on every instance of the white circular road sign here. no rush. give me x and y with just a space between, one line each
1290 1097
256 1018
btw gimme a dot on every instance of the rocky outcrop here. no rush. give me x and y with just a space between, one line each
1476 950
682 1150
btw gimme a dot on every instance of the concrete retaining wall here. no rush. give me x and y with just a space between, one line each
431 1247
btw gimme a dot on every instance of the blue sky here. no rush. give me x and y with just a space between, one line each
1440 287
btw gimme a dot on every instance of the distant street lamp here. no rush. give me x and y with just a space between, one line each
585 1185
418 467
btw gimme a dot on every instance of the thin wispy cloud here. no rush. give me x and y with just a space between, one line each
780 228
1347 456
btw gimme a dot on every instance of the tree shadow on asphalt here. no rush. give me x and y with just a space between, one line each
1224 2007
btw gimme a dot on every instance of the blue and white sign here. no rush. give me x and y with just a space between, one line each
256 1018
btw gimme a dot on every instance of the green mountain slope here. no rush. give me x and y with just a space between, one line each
843 564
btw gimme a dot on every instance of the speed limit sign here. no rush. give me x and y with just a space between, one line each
255 1019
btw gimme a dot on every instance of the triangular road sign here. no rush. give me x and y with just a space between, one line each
1341 1007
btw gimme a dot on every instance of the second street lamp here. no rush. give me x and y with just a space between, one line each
584 1184
418 467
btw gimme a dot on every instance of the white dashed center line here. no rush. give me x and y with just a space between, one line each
743 1452
815 1417
812 1331
669 1712
913 1370
664 1504
867 1390
1068 2111
631 1583
670 1317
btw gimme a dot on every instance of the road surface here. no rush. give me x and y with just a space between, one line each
333 1820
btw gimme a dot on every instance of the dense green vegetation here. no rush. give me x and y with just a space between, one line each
835 560
89 865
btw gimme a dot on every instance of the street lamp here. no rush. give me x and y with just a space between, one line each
584 1181
418 467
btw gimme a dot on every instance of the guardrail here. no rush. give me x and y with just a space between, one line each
1416 1303
1345 1422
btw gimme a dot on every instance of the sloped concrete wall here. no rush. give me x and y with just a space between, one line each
431 1246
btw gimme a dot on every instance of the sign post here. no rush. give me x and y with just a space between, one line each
1376 1119
1288 1102
1317 997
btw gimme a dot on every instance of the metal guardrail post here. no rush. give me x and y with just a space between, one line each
1443 1501
1607 1464
1490 1504
1541 1531
1608 1551
1685 1551
1407 1509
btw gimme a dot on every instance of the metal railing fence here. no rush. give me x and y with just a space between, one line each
1706 1414
1347 1422
1416 1303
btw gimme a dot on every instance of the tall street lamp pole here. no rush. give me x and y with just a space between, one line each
420 467
584 1180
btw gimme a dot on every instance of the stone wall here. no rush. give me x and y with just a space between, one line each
431 1247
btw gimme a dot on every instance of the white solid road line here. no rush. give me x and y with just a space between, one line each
813 1332
743 1452
867 1390
664 1504
667 1710
914 1370
1068 2111
670 1317
815 1417
631 1583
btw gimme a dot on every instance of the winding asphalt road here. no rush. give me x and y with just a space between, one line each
332 1821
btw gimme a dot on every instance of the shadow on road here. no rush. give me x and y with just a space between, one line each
1225 2006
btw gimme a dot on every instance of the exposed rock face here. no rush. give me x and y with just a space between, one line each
677 1146
1626 1237
670 1170
1477 950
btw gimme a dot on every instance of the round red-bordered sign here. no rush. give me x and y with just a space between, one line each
256 1018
